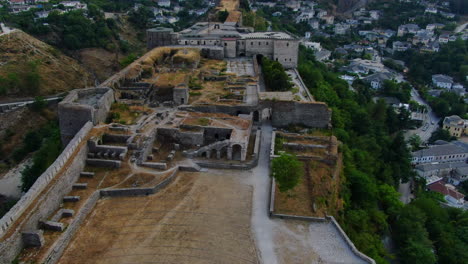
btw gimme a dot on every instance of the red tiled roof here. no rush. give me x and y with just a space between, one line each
441 188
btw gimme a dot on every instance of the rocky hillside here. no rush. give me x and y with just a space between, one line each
31 67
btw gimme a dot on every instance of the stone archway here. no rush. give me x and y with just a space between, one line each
237 152
256 116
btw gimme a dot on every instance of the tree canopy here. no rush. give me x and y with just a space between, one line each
287 171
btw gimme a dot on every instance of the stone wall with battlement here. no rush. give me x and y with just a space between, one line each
43 198
81 106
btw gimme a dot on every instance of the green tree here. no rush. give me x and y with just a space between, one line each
287 171
441 134
223 15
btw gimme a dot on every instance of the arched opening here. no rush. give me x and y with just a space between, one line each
259 58
237 152
216 136
223 151
256 116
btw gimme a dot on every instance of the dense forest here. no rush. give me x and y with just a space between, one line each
376 159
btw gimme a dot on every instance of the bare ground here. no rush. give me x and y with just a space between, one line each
200 218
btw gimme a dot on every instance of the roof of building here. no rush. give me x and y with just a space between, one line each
160 29
267 35
440 150
379 77
454 120
442 78
441 166
441 187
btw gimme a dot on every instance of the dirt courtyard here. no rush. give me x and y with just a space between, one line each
200 218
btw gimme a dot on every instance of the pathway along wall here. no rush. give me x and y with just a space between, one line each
43 198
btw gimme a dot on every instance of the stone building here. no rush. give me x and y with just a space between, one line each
81 106
235 41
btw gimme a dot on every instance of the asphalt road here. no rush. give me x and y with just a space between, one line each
430 124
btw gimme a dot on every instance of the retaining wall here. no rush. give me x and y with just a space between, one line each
57 249
327 218
40 202
139 191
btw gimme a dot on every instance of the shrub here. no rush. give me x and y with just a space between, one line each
287 171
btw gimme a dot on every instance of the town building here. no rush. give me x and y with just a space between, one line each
455 125
376 80
448 152
407 29
442 81
451 195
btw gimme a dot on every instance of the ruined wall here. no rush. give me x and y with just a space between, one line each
43 198
56 251
213 134
213 53
73 113
285 113
181 95
187 137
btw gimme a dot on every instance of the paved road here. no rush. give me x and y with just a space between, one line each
430 124
460 28
262 225
405 191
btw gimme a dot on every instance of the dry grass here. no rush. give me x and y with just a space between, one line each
170 79
317 194
229 5
187 56
58 72
140 180
180 224
125 114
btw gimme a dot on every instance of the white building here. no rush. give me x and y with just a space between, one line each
164 3
442 81
448 152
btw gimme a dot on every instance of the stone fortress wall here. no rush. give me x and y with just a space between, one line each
81 106
44 197
78 113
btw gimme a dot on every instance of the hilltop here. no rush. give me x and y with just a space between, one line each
29 67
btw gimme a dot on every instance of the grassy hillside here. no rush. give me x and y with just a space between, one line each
29 67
